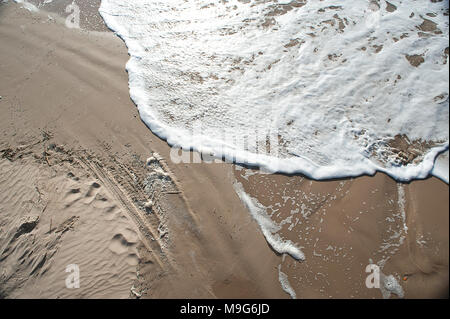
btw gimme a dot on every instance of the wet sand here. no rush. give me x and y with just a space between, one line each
344 225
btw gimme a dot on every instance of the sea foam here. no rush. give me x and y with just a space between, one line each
268 227
328 89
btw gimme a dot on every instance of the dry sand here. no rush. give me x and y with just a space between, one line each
76 188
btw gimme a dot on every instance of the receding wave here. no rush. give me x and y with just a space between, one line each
324 88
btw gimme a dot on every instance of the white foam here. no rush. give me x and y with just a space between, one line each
333 104
268 227
28 6
285 285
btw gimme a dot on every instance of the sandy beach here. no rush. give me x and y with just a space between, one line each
83 181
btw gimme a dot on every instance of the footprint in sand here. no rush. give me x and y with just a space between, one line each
92 189
120 245
72 196
132 259
95 197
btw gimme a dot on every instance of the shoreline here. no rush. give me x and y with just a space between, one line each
212 238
